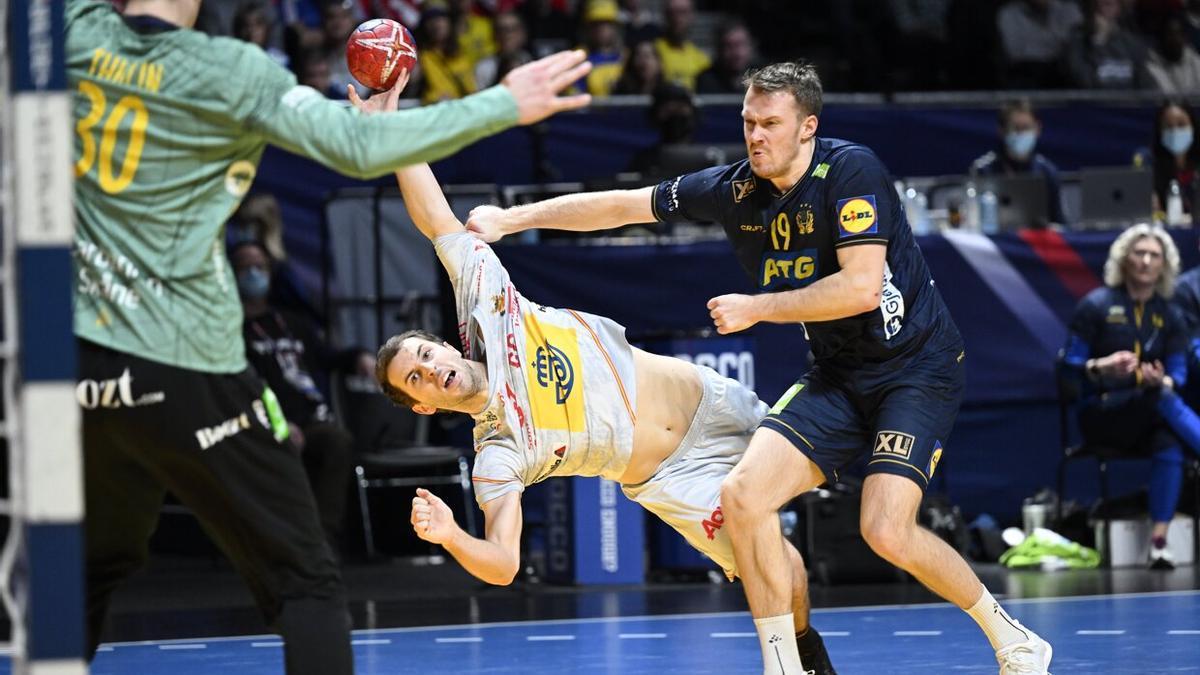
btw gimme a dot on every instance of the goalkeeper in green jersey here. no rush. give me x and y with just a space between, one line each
169 128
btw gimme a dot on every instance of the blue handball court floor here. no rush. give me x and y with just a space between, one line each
1131 633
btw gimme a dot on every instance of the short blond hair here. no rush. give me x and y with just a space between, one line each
1114 267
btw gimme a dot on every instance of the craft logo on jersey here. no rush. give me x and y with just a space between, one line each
742 189
894 444
553 376
790 269
856 215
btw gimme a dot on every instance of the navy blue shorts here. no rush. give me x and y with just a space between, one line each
901 419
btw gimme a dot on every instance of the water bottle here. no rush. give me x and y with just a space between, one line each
989 212
1175 205
917 206
971 210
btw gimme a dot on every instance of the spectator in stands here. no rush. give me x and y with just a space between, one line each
638 24
550 24
259 219
475 35
1018 130
447 71
1126 353
1174 65
682 60
312 70
1033 37
1175 156
285 351
918 43
643 72
735 54
253 23
1103 54
673 114
338 21
512 50
602 42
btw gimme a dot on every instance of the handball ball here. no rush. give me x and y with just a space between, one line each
378 50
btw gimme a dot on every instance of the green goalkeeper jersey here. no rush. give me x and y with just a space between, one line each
170 124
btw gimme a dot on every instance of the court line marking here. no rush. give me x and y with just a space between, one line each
662 617
458 639
377 641
916 633
185 646
1183 632
1099 632
835 633
549 638
641 636
266 644
733 635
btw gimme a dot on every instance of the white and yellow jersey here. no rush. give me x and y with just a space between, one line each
562 391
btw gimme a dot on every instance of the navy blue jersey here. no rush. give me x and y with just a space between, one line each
1107 320
788 241
1187 299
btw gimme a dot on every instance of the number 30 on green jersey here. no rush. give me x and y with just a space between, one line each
110 182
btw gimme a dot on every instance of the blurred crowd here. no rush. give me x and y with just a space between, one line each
706 45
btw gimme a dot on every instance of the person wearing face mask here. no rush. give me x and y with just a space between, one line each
1175 154
673 113
1019 129
289 356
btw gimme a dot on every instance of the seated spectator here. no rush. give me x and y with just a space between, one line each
338 21
1174 65
682 60
475 35
673 114
1175 155
447 72
258 218
1033 38
550 24
286 353
312 70
643 72
1016 154
735 53
252 23
602 42
512 50
1103 54
918 43
638 24
1126 350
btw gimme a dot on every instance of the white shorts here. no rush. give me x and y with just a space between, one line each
685 491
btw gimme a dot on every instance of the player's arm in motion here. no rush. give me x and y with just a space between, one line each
853 289
583 212
495 558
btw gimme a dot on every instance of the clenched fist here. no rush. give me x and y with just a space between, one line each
431 519
732 313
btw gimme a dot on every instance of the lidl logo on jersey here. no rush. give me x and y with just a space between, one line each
857 215
934 459
553 375
793 269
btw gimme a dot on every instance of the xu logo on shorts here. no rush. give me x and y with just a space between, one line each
894 444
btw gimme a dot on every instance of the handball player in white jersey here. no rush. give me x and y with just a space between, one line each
556 392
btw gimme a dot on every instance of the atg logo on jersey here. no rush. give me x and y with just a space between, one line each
794 269
857 215
554 376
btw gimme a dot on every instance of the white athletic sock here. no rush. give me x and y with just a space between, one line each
777 637
1001 629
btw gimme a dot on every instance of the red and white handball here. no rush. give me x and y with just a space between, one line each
378 50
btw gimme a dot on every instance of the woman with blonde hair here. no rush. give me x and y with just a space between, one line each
1127 343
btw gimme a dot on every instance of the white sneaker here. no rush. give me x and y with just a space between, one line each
1161 559
1031 657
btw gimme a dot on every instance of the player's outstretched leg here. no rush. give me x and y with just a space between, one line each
771 473
889 526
